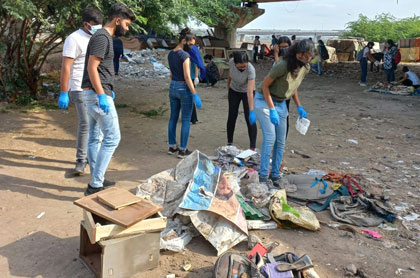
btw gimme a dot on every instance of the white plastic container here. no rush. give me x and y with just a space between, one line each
302 125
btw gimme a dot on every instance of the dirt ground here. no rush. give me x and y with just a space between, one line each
37 155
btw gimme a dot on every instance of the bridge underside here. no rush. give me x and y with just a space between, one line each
245 14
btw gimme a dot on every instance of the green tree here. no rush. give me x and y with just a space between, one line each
30 30
383 27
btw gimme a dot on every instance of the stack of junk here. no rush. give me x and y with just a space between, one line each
410 50
221 199
146 57
346 49
119 233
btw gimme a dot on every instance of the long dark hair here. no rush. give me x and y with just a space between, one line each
284 39
186 34
293 64
240 57
391 43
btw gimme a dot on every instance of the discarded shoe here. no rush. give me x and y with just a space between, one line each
302 263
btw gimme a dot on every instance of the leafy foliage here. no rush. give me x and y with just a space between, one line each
384 27
30 30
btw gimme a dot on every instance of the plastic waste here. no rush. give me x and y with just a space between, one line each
160 68
302 125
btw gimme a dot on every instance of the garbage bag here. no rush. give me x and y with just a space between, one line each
301 216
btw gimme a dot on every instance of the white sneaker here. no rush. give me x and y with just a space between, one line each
363 84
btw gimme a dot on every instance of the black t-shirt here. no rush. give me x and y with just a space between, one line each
176 59
101 45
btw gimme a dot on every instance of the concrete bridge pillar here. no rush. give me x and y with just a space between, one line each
244 16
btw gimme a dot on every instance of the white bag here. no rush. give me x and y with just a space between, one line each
302 125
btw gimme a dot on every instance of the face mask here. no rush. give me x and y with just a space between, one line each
284 51
119 31
94 28
241 70
187 47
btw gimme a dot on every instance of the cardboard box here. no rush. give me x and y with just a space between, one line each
99 228
343 56
120 257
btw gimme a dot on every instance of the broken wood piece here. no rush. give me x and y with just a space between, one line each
97 231
118 198
125 217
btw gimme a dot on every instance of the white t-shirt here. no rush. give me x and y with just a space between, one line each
75 47
365 51
413 77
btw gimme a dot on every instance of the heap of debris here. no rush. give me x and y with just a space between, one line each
145 64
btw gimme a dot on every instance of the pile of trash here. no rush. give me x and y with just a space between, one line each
221 198
393 88
145 64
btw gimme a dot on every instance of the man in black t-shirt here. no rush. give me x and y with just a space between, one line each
98 87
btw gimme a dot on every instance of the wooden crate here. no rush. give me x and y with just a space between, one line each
343 56
120 257
217 52
99 228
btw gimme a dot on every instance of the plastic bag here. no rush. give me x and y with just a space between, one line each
301 216
302 125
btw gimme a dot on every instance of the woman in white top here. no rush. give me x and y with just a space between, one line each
410 78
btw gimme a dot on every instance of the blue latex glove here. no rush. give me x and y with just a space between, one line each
197 101
252 117
302 112
274 116
103 102
113 95
63 100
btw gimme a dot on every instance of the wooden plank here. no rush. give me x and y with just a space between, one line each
118 198
89 225
126 217
99 232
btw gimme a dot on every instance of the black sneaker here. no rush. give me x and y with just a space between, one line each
172 151
108 183
92 190
80 168
276 181
184 153
262 180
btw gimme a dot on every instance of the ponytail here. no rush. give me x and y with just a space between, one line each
186 34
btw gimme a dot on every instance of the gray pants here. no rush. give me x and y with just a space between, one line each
83 127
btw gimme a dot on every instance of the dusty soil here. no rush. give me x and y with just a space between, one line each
37 155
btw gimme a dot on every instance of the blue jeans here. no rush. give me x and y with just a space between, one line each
319 65
390 75
100 153
363 65
181 99
274 137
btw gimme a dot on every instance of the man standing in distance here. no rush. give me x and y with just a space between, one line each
73 63
98 86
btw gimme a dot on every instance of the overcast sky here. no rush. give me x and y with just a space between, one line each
328 14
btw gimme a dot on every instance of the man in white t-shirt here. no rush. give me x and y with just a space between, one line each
73 63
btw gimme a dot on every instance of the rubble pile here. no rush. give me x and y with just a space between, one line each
145 64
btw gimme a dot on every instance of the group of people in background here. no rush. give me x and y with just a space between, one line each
391 57
88 70
266 103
